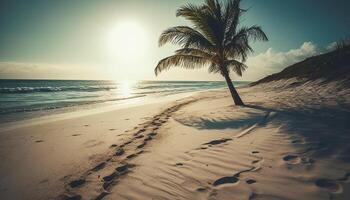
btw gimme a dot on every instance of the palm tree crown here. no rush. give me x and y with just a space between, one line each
216 40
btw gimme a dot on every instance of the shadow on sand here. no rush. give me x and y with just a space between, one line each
325 130
223 122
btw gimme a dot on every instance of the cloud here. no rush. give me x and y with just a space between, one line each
270 62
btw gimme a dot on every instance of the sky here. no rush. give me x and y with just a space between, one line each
117 39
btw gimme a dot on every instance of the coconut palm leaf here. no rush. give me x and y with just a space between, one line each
194 52
214 68
236 66
186 37
201 19
184 61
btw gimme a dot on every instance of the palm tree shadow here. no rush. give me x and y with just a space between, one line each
257 107
227 122
324 129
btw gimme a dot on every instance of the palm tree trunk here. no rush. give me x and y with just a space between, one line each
236 98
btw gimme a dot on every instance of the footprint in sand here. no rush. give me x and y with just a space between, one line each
77 183
140 131
139 136
234 178
99 167
126 143
131 156
292 159
250 181
330 185
119 152
124 168
141 145
152 134
201 189
257 161
156 123
111 177
73 197
119 171
216 142
226 180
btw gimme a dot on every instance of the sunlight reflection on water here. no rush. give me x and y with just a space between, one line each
127 88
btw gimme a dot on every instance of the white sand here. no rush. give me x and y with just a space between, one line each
287 143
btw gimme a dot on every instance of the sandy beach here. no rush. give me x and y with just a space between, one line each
288 142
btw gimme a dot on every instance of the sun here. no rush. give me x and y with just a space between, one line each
127 40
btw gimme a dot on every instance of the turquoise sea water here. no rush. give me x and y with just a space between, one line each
28 96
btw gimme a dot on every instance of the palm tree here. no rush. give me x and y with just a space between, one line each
216 40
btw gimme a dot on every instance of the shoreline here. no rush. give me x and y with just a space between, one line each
39 117
27 99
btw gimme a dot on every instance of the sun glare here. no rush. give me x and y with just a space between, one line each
126 88
127 40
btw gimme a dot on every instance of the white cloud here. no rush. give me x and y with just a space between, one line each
271 61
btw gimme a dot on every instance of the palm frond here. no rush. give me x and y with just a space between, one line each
247 33
214 7
239 50
201 19
214 17
186 37
184 61
238 46
194 52
236 66
214 68
232 16
256 33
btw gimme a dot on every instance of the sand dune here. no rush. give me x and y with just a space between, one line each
287 143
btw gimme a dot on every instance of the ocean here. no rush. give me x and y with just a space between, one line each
21 98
